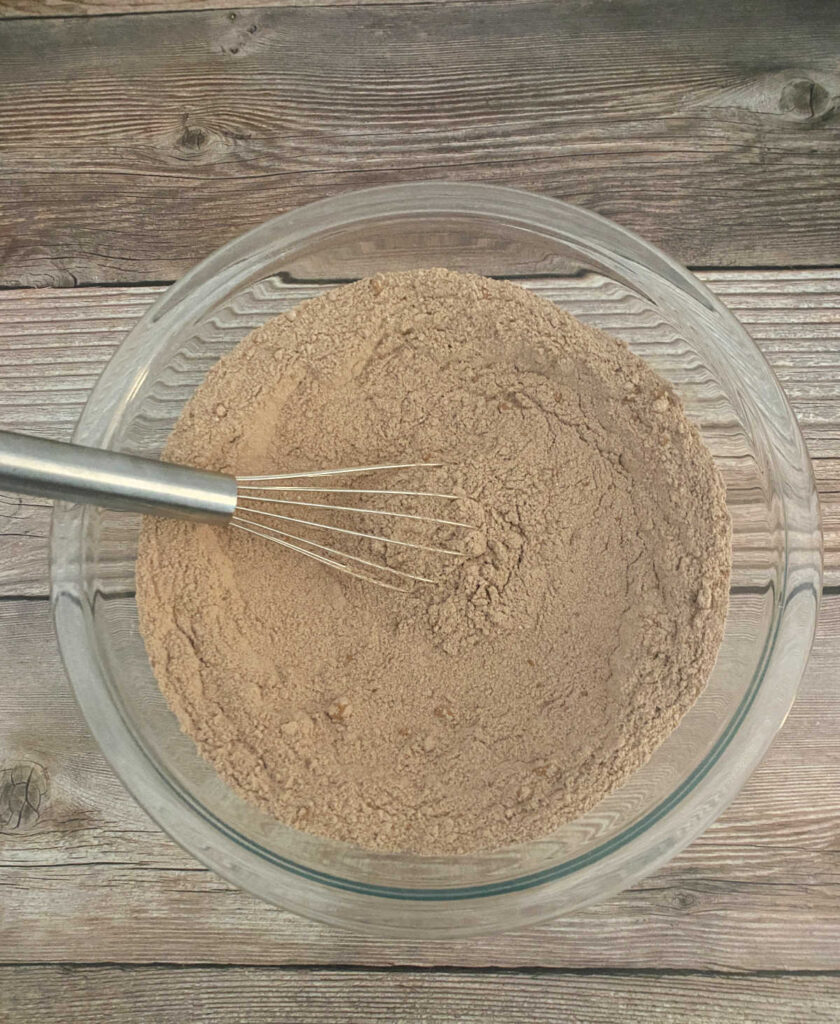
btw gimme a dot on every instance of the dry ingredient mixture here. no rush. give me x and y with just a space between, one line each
552 658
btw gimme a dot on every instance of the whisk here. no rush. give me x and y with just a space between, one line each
274 507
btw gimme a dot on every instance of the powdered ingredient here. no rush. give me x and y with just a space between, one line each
549 662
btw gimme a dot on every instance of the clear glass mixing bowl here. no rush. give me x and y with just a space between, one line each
605 276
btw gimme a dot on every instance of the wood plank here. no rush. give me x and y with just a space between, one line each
83 8
133 146
760 890
54 344
112 995
93 8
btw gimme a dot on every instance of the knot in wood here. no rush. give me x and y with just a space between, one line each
805 100
23 790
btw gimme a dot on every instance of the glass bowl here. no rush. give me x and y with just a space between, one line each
606 276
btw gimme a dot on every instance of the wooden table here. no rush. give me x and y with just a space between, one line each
133 141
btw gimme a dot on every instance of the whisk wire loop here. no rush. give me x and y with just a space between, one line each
251 514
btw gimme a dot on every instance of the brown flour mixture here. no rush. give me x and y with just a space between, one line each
545 667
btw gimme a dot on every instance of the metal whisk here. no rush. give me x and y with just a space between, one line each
273 507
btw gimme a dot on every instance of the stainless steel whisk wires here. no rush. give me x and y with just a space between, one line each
254 504
250 493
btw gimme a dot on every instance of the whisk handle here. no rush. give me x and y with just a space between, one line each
95 476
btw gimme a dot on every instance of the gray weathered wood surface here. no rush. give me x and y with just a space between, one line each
151 995
132 146
80 8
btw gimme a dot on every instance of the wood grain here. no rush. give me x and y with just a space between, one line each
111 995
132 146
86 876
54 344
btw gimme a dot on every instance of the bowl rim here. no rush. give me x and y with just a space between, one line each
620 860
